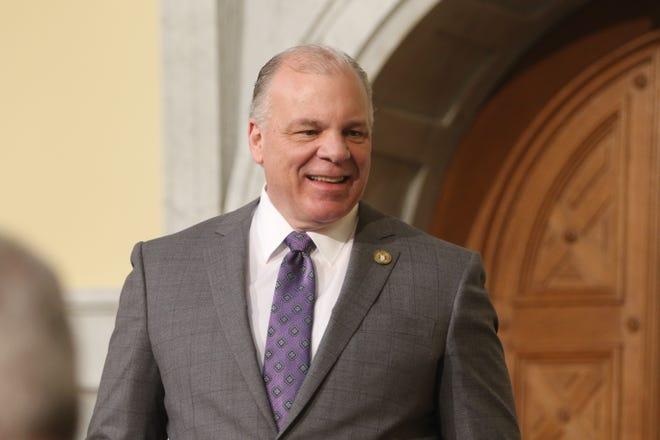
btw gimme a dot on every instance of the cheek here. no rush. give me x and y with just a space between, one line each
286 169
362 160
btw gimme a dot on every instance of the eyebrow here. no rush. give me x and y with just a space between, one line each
356 123
304 122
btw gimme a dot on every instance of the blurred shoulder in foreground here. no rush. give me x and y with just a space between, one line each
37 389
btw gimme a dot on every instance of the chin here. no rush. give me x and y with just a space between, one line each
324 213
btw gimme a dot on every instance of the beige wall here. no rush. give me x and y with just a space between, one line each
80 159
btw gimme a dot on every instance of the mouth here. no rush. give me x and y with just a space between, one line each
328 179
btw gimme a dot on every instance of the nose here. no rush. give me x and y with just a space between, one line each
334 148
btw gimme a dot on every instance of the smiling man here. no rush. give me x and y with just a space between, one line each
311 132
305 314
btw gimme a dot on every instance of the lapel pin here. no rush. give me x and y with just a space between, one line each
382 257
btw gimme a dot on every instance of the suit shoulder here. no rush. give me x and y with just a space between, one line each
413 236
442 247
202 230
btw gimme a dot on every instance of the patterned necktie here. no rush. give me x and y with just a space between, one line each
287 356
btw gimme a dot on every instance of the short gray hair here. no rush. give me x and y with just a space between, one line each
308 58
37 391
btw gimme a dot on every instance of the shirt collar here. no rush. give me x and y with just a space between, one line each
272 228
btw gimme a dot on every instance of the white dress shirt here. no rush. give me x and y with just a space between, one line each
266 252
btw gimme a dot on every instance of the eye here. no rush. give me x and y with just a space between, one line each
355 133
309 132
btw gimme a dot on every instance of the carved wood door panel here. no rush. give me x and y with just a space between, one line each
569 234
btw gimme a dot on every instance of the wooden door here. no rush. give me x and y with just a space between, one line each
569 234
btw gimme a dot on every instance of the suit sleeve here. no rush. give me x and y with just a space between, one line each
130 399
475 399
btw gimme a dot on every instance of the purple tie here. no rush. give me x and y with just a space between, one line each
287 356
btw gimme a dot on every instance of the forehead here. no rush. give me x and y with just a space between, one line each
298 74
336 88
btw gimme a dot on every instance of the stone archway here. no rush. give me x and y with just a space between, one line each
429 90
434 62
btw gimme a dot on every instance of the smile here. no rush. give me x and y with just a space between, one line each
328 179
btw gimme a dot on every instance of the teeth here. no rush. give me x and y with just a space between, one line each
327 179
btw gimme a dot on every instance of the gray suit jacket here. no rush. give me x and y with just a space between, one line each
410 351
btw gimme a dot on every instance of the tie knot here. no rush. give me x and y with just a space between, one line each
300 242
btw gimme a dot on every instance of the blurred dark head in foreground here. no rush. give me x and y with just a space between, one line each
37 387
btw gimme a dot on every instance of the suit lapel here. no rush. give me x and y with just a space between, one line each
226 263
363 283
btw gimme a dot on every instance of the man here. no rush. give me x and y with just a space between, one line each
37 390
305 314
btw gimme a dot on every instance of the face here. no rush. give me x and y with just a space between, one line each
314 145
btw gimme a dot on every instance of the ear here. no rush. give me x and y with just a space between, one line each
255 140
